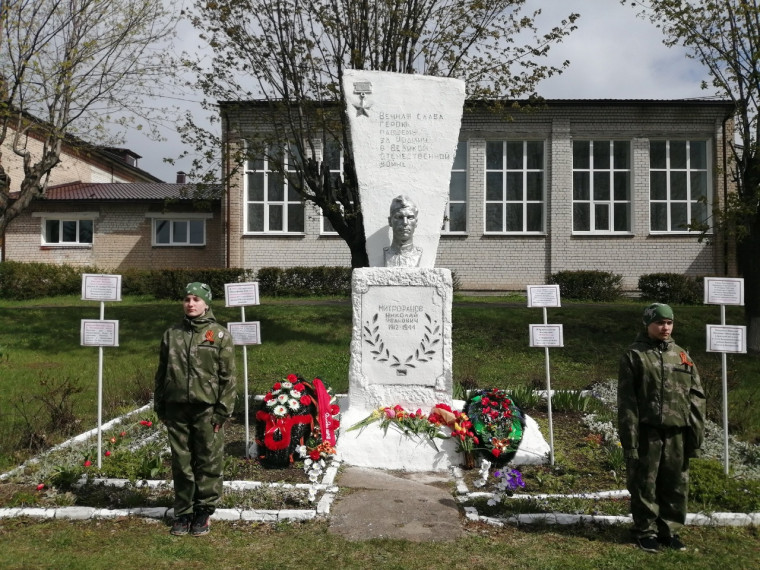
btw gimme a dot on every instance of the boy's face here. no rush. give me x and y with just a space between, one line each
194 306
660 329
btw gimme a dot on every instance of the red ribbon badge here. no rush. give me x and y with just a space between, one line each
685 360
210 335
324 415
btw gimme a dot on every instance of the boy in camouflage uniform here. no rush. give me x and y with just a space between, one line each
661 409
194 395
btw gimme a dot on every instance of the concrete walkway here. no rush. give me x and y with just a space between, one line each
410 505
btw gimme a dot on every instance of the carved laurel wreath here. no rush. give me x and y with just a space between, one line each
424 352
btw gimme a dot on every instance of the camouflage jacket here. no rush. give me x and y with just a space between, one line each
197 366
658 385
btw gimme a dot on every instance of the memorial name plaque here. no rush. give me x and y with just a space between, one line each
101 287
546 336
404 335
241 294
99 332
724 291
245 333
543 296
727 338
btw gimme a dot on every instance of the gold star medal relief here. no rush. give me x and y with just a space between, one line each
362 89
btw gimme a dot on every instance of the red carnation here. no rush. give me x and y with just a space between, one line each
496 452
314 454
277 386
292 378
299 387
334 409
305 399
108 454
87 463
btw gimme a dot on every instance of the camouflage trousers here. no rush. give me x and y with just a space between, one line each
197 457
659 482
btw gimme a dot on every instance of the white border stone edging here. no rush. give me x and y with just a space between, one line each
692 519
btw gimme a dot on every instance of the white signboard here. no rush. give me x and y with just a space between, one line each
101 287
245 333
546 335
95 332
543 296
241 294
724 291
727 338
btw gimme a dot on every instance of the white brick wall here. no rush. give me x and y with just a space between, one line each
504 262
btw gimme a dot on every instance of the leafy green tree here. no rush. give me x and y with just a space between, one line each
67 69
724 35
291 55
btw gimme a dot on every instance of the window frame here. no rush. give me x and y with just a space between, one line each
524 202
62 218
325 227
611 201
156 217
462 146
285 203
688 171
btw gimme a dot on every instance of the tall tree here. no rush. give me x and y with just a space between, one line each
67 69
724 35
291 54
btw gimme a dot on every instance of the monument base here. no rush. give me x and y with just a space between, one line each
374 447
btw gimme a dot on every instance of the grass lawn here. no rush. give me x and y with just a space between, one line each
136 543
50 382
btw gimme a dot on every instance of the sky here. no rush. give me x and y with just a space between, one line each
613 54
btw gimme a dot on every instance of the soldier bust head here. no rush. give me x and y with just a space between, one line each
403 222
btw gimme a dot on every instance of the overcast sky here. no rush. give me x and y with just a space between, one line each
613 55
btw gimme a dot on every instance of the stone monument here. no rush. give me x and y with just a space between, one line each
404 132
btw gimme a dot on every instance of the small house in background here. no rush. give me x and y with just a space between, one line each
115 226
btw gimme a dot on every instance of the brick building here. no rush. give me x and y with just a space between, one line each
577 184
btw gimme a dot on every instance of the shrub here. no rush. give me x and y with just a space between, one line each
712 490
588 285
671 288
304 281
21 281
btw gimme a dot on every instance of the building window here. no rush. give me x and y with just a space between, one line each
179 231
514 187
332 156
678 185
456 213
64 231
601 186
272 204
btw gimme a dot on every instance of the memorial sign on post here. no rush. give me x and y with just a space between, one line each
244 334
100 333
725 291
546 336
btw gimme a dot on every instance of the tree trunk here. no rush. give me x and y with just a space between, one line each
748 250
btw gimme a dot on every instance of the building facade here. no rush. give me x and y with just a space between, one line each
623 186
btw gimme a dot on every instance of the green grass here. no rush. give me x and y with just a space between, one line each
136 543
39 342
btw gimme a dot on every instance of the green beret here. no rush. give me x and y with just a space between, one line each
657 312
199 290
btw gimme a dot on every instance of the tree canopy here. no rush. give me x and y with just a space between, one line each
292 54
68 68
724 35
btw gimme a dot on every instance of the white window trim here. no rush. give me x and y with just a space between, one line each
177 217
285 202
611 202
525 201
65 217
445 229
708 189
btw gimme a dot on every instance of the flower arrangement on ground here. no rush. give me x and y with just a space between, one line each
460 424
412 424
293 410
497 422
509 480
